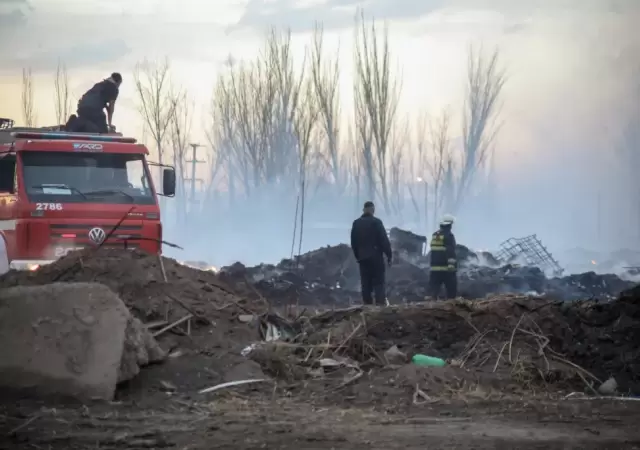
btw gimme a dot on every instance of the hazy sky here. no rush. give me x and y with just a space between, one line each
566 61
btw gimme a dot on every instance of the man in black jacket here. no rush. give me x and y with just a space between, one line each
444 265
370 244
91 117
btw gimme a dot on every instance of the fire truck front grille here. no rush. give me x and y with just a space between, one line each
125 236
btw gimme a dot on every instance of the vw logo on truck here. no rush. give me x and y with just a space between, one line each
97 235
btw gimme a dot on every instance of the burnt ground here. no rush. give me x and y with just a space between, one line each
257 420
518 375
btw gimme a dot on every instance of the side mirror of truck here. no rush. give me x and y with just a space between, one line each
168 182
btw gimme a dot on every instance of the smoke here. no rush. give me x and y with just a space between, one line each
260 229
560 169
563 167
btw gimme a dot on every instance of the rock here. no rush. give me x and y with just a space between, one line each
395 356
140 349
167 386
246 318
62 339
609 387
244 371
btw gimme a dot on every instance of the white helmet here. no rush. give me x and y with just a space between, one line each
447 219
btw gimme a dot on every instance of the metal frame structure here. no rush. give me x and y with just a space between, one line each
533 252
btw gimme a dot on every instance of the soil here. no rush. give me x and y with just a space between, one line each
256 421
521 373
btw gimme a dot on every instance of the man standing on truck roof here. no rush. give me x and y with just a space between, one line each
370 244
91 117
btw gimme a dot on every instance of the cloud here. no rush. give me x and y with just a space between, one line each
300 16
40 33
92 41
13 14
97 54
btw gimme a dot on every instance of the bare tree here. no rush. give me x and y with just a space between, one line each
377 95
304 121
363 141
256 103
438 159
252 92
485 81
325 81
224 133
62 98
214 159
288 82
180 127
154 91
418 186
450 184
354 163
28 114
397 166
220 138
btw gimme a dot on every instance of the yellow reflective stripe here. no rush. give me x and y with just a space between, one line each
438 248
440 269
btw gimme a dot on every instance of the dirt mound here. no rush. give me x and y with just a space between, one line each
530 340
151 287
193 315
495 347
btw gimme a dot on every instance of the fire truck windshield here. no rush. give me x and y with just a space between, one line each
63 177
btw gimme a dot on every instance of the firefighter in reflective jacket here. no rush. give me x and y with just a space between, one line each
443 260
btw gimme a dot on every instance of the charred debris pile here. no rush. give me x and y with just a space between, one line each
504 344
330 276
229 319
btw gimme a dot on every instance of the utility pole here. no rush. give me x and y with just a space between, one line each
194 160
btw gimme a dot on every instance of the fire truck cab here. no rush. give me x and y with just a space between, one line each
61 191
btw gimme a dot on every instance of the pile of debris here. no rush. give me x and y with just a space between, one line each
330 275
487 349
215 335
92 319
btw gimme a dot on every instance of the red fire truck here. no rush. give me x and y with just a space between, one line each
64 191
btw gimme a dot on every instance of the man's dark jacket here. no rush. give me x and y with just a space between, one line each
369 239
99 95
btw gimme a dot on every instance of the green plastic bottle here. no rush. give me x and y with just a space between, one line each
427 361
